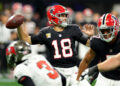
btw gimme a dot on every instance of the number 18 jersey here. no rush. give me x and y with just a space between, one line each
61 45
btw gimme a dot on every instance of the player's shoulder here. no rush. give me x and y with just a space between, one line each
32 57
44 29
95 38
74 26
21 70
96 43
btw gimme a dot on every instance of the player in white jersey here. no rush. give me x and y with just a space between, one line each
32 69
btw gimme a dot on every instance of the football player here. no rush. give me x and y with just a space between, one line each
60 40
104 46
32 69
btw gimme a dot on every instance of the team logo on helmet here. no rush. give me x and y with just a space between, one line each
51 12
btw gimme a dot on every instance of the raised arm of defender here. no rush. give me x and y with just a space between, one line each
23 35
85 62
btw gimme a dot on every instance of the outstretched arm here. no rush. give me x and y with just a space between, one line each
85 62
22 34
109 64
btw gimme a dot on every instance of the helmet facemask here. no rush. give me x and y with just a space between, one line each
108 37
21 50
63 19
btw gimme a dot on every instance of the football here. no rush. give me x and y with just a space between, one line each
14 21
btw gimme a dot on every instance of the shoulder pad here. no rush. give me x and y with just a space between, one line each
95 37
73 25
21 70
44 28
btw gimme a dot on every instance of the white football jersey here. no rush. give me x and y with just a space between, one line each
40 71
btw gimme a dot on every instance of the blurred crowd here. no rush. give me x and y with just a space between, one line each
34 22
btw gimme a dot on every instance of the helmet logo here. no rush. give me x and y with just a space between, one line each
51 11
10 50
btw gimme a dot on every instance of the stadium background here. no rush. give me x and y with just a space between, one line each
100 6
39 7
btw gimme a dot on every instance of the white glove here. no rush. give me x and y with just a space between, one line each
84 75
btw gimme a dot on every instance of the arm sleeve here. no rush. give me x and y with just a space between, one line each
39 39
79 36
93 45
26 81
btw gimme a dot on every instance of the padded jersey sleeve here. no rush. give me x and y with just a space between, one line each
93 43
20 71
40 38
79 36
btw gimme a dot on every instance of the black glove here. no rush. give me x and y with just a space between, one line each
93 70
93 73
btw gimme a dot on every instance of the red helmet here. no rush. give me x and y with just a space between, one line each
54 13
109 22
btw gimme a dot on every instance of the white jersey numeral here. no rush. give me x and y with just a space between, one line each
55 44
64 48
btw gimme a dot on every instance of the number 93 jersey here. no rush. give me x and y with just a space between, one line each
61 45
39 70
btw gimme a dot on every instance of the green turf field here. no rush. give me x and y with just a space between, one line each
9 84
16 84
13 84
